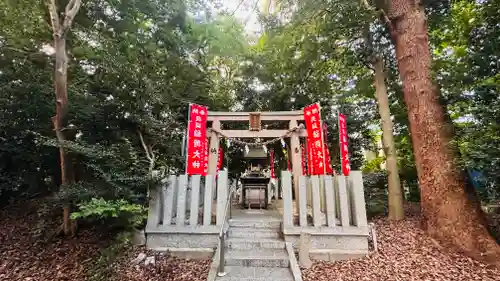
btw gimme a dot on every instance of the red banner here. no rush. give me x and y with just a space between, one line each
205 159
328 164
304 171
197 147
273 175
309 158
344 149
220 159
315 138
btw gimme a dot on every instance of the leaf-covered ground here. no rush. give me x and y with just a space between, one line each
405 253
25 255
166 268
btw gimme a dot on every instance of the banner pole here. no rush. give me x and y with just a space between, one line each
322 139
187 138
340 144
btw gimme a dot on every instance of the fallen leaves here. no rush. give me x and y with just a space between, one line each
405 253
165 268
24 257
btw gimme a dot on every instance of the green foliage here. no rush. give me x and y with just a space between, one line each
466 65
133 70
134 214
373 165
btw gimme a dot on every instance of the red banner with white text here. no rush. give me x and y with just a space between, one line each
328 164
197 147
312 119
220 159
344 146
309 158
273 175
303 159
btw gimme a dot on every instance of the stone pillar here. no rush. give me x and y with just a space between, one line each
296 160
286 183
303 201
170 200
214 149
358 206
304 248
181 200
222 198
207 204
213 154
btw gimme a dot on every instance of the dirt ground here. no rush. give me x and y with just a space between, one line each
25 255
405 253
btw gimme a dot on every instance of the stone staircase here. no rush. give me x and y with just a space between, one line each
255 251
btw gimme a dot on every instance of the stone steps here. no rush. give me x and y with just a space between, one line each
257 258
241 273
253 233
256 224
260 243
255 250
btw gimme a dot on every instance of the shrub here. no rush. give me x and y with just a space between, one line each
122 212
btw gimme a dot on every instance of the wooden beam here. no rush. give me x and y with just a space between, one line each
257 134
264 116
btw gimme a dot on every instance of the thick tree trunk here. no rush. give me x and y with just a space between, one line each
396 210
448 214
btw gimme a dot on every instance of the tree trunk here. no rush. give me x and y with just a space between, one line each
60 27
59 121
396 210
447 212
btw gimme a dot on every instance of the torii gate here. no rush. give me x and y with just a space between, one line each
255 131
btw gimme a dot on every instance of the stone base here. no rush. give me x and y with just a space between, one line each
189 253
332 242
336 255
333 247
160 241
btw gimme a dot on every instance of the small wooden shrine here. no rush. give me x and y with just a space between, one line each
255 192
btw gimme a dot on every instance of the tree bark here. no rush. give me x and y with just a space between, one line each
396 210
59 121
448 214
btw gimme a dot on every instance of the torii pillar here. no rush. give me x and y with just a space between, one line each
213 154
295 156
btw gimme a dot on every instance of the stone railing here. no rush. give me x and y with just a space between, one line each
330 209
184 213
324 202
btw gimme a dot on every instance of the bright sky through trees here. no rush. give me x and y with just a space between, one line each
246 11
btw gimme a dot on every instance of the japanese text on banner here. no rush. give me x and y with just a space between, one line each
344 150
273 175
312 119
197 150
